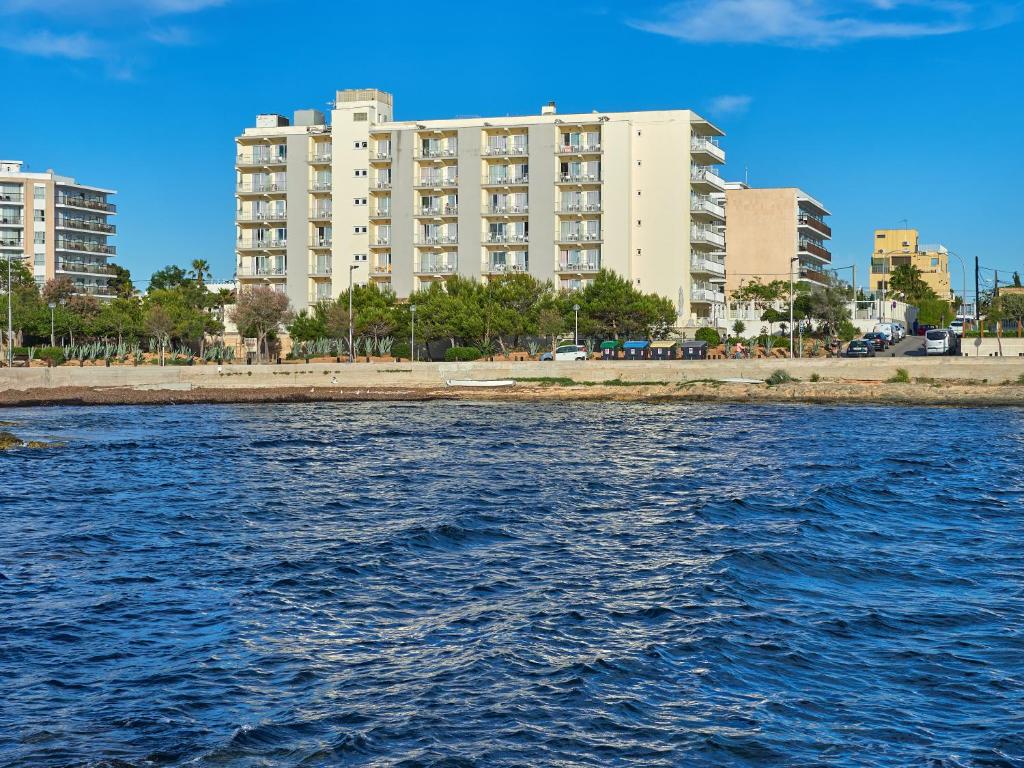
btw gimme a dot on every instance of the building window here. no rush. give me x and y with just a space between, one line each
639 163
360 145
39 237
359 257
638 222
39 191
935 262
359 201
638 193
359 230
880 236
359 117
637 251
39 214
360 173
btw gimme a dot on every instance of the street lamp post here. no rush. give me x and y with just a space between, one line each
963 265
351 350
576 327
792 261
10 315
53 335
412 338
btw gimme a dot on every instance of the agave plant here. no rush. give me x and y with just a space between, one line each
533 347
228 354
31 353
385 345
487 348
138 356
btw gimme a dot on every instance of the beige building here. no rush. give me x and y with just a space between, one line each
772 232
59 227
896 247
409 203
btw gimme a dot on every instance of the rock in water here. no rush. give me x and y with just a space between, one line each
8 441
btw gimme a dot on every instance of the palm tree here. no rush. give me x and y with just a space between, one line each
200 270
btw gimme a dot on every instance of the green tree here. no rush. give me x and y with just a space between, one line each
1016 280
550 324
611 308
121 282
120 317
200 271
1013 309
159 324
906 283
171 276
258 312
306 326
828 307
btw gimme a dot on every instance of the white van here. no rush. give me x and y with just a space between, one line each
888 330
936 342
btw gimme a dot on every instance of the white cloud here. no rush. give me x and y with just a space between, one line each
77 45
729 105
816 22
101 8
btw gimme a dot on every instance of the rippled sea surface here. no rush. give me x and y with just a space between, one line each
513 585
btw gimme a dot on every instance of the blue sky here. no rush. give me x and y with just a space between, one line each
885 110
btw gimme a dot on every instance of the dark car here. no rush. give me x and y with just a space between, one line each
860 348
878 340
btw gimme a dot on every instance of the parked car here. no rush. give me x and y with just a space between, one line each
878 340
547 357
860 348
888 330
571 352
957 327
936 341
901 330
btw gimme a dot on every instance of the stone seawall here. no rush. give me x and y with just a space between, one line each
433 375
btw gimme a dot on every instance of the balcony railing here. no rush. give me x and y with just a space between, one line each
566 264
382 184
507 210
813 275
815 250
64 244
85 267
436 154
320 213
499 268
506 181
579 237
703 204
706 296
80 201
380 213
579 149
261 245
11 242
495 237
14 221
380 269
702 265
321 242
319 270
437 268
320 186
86 224
12 197
381 156
706 235
434 182
702 175
579 178
253 217
262 271
316 298
320 157
814 223
438 210
266 187
507 151
707 146
580 208
260 160
437 240
94 290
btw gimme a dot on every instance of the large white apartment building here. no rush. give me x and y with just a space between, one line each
59 227
407 203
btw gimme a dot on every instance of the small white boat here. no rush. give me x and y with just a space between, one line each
480 382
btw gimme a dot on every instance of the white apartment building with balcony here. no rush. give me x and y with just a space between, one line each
408 203
60 228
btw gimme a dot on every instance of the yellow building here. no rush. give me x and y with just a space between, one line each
898 247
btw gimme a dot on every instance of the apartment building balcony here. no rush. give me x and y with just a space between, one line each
322 157
706 296
381 184
806 246
507 151
17 198
579 178
261 273
320 214
578 209
320 243
578 149
701 265
12 242
443 153
85 268
704 179
814 224
813 276
436 183
261 188
319 187
507 267
585 266
706 208
506 181
437 211
85 246
12 221
436 268
319 270
436 241
380 157
259 161
574 238
83 225
380 213
80 201
382 269
706 150
507 210
506 239
381 242
706 236
100 291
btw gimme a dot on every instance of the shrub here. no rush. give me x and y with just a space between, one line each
815 377
53 355
779 377
902 376
401 349
461 354
710 335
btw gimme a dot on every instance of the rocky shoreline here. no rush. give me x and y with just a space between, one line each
930 393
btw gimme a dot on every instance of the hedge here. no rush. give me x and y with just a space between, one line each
461 354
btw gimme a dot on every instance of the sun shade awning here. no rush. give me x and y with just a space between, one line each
636 345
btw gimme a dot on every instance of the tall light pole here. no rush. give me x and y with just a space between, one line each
10 315
963 265
351 351
576 330
412 339
53 335
792 261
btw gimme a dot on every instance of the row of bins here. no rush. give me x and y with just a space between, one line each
654 350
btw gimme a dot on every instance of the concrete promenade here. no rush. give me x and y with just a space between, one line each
432 375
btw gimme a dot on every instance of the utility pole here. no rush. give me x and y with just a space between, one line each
10 315
977 294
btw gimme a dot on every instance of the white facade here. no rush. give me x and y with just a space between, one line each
412 202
